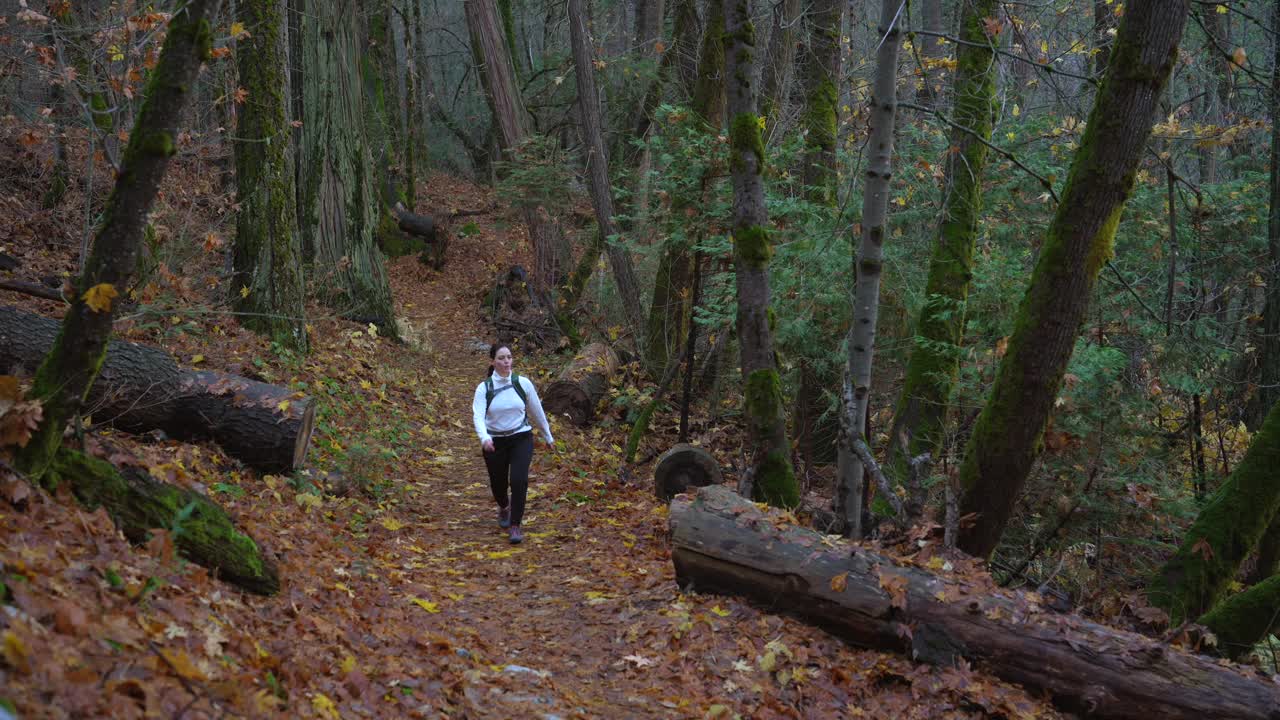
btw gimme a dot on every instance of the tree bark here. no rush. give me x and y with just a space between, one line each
723 544
1228 529
624 274
267 286
771 476
337 182
549 246
821 73
920 414
1006 437
1269 386
137 503
581 384
775 81
932 51
648 25
67 374
867 267
141 388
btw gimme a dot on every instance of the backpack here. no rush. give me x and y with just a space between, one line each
490 392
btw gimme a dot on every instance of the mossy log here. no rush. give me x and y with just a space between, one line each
723 543
138 503
141 388
581 383
683 467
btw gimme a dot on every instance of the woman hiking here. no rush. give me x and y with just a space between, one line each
501 410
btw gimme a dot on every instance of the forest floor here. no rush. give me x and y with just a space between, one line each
401 596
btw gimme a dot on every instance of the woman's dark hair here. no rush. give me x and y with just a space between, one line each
493 354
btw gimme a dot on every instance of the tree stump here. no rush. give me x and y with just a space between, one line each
682 467
581 383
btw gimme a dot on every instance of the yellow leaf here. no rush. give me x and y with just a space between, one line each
768 662
182 664
720 611
348 664
426 605
244 291
1222 9
99 297
307 500
456 597
344 588
16 653
391 524
1044 47
596 595
840 582
500 554
238 31
325 707
197 359
283 406
365 384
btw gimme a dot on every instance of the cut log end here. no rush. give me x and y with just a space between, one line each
682 467
568 399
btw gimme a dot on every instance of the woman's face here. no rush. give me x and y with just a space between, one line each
502 362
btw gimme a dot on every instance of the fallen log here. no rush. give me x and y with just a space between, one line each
581 383
138 503
141 388
683 467
723 543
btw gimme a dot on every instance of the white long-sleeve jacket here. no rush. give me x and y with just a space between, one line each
507 414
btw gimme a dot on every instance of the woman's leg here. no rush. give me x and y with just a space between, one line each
521 453
498 464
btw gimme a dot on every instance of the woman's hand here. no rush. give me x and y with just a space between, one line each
487 445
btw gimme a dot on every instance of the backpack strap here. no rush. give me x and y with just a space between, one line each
490 392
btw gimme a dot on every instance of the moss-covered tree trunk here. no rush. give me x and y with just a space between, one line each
772 478
684 31
267 254
1006 439
1227 530
867 265
386 131
624 274
137 503
821 73
1246 618
67 374
921 411
337 183
669 310
932 50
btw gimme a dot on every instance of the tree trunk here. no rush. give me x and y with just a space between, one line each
1243 620
141 388
1267 562
933 51
1218 91
581 384
771 476
709 84
723 544
685 37
1104 19
549 246
920 415
67 374
648 25
1269 386
775 81
1006 438
821 73
337 183
866 269
1228 529
624 274
266 286
137 503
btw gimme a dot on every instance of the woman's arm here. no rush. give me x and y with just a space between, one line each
535 409
477 414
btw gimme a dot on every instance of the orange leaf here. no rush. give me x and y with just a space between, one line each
99 297
840 582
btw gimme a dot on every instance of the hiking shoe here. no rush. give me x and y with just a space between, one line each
517 536
504 516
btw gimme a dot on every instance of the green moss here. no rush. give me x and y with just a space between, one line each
1244 619
1227 530
775 481
744 135
753 246
763 398
204 40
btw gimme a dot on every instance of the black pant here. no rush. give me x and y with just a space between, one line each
510 459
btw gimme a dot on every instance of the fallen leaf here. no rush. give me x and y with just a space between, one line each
840 582
426 605
99 297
